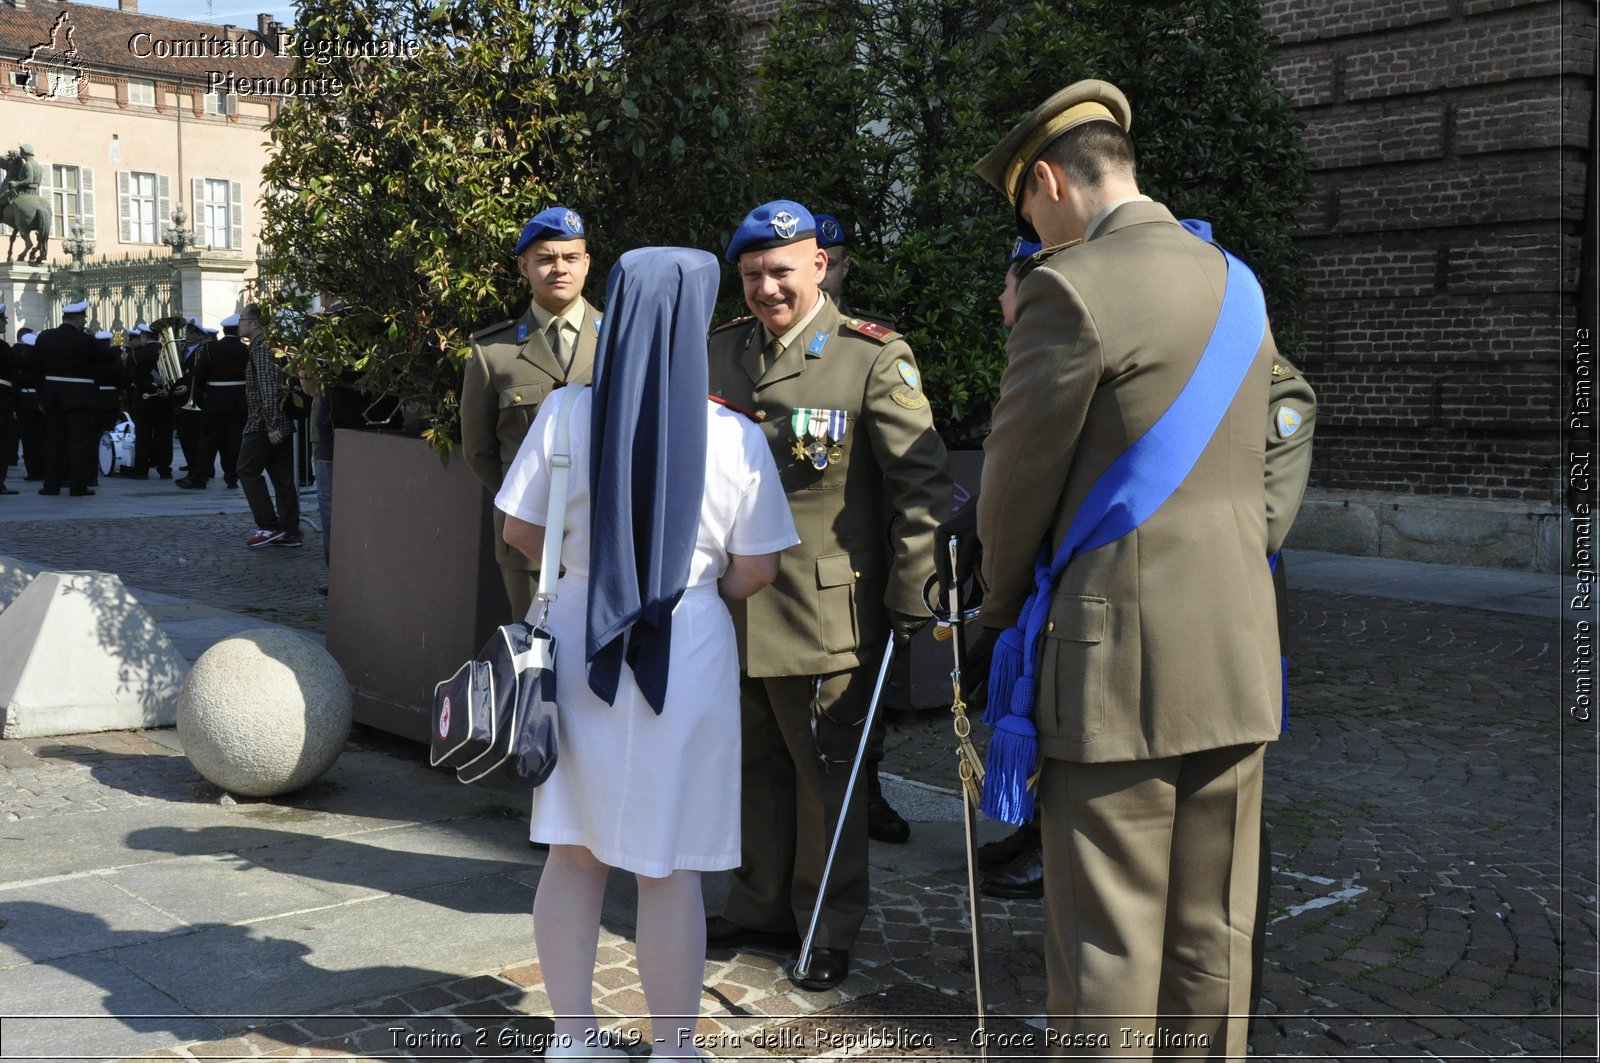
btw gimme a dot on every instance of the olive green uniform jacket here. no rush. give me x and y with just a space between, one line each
1165 641
834 589
504 383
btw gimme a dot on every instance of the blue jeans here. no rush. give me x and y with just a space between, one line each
322 471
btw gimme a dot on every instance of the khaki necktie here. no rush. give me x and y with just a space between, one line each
563 358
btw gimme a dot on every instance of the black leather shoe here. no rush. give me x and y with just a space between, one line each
83 492
998 854
49 491
165 474
726 934
884 824
1023 878
190 485
828 969
4 490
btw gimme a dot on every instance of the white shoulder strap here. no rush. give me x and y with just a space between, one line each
556 510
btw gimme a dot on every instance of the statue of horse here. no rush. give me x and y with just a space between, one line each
27 214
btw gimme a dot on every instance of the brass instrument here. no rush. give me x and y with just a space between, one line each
169 360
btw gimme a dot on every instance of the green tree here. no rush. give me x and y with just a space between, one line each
402 196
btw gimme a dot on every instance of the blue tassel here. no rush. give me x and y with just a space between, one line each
1022 697
1013 757
1005 668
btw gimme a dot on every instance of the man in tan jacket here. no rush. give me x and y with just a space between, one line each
1158 679
840 401
515 364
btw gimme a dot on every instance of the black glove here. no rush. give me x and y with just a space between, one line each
905 625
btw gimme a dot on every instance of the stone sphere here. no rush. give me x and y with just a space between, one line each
264 712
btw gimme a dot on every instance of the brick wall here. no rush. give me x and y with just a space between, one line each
1447 140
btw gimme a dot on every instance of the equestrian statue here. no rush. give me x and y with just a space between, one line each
22 207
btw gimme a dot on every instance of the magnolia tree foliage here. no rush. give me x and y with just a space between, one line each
402 196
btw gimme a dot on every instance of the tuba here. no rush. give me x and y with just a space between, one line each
169 360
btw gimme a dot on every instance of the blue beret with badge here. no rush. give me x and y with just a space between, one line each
829 232
556 223
775 224
1023 248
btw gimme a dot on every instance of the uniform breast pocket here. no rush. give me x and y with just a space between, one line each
1073 667
523 396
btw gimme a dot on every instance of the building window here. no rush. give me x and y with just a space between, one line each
141 92
219 211
72 198
144 201
222 103
20 78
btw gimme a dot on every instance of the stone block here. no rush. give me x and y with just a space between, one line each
78 653
264 712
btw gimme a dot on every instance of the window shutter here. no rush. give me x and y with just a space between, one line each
86 200
236 215
163 205
124 208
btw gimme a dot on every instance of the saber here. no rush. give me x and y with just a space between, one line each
802 963
969 766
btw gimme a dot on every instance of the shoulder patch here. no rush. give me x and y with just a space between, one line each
485 333
910 400
1289 422
872 329
735 321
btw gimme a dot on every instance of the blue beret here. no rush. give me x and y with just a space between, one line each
829 232
557 223
783 221
1024 248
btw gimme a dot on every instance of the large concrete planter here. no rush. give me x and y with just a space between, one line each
414 589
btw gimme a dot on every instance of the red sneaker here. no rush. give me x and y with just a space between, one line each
263 537
289 539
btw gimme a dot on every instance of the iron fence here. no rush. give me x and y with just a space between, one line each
121 293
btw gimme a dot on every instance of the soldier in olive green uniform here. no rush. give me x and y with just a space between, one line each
515 364
1157 684
840 401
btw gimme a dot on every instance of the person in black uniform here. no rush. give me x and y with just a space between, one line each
188 420
70 364
30 424
222 406
8 406
150 405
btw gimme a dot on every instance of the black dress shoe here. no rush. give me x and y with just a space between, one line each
828 969
49 490
165 474
190 485
726 934
998 854
82 492
4 490
1023 878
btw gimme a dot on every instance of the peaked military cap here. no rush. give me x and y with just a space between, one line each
775 224
79 307
231 321
555 223
1011 159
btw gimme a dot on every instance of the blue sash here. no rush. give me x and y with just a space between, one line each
1125 495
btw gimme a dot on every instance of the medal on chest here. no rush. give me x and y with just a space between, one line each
818 436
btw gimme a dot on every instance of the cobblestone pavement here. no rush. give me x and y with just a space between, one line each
1433 831
198 557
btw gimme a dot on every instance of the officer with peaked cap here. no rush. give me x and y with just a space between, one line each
223 408
195 365
70 364
151 407
516 363
30 421
1157 677
840 402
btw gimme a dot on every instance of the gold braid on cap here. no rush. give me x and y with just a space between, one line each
1077 114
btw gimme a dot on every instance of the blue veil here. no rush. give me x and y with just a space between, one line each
647 475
